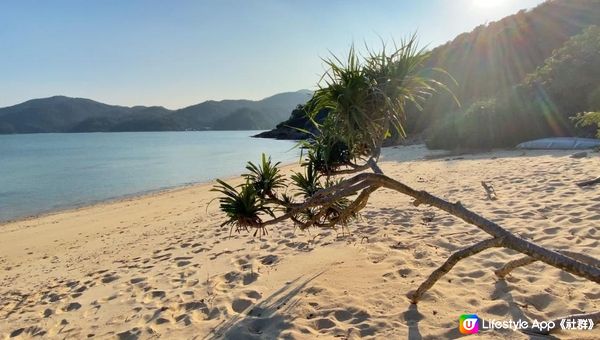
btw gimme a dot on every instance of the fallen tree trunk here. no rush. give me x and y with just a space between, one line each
509 240
523 261
450 263
372 182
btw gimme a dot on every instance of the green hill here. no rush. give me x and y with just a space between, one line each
65 114
494 66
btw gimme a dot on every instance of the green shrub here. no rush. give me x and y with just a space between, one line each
589 119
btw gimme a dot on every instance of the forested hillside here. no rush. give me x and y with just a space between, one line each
542 105
499 55
518 78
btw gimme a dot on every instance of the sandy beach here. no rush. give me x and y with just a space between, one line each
159 265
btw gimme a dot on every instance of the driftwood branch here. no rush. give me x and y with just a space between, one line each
353 168
450 263
510 240
589 183
369 182
523 261
489 190
370 163
510 266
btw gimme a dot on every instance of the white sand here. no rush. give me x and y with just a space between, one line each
159 265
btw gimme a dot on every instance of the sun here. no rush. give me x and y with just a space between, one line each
488 3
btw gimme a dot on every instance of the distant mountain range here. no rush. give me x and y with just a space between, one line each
65 114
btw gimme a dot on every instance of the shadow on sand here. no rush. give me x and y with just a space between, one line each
412 316
266 319
502 291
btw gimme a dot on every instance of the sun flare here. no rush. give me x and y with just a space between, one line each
488 3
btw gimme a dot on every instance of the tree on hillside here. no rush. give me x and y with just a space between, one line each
499 55
589 119
367 97
571 76
568 82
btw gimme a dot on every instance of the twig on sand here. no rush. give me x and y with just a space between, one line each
489 190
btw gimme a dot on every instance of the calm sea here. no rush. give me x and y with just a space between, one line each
45 172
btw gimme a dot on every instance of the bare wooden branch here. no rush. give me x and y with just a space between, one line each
489 190
368 183
511 240
450 263
354 168
319 199
510 266
581 257
589 183
523 261
343 214
376 169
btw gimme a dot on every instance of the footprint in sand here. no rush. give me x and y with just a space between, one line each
324 323
81 289
47 312
184 319
137 280
32 331
202 313
182 261
71 307
52 297
249 278
154 295
108 278
131 334
240 305
402 273
269 260
253 294
500 309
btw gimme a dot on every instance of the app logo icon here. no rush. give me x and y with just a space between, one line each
468 324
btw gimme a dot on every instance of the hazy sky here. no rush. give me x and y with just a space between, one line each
176 53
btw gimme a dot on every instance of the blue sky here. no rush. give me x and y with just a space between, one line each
177 53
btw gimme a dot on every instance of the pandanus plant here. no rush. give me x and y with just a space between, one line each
366 97
244 208
588 119
265 177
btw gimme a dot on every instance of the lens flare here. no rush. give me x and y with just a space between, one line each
488 3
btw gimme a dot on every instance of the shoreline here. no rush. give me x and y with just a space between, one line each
162 264
421 153
123 198
113 200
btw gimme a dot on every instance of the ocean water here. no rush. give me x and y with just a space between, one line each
46 172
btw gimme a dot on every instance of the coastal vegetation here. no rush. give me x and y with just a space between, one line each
518 79
367 97
540 106
589 119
